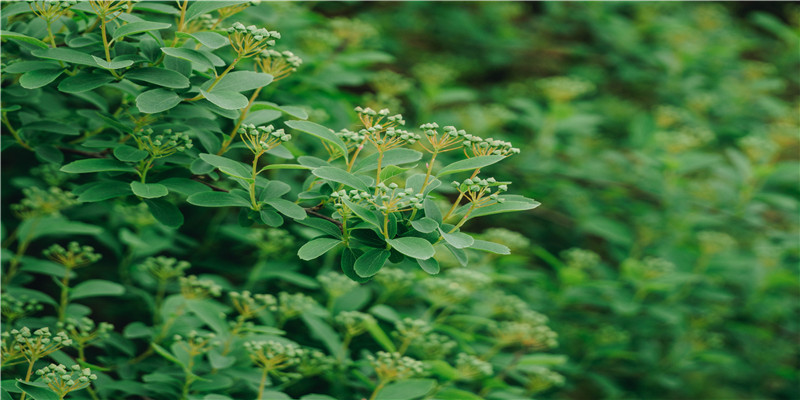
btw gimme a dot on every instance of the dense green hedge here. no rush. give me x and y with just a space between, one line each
216 259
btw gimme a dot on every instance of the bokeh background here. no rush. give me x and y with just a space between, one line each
662 141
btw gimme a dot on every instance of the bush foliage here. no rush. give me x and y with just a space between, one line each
213 200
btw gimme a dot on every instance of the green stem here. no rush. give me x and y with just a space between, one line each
62 308
378 171
263 383
147 165
377 389
424 184
239 122
21 248
216 81
14 132
256 207
28 376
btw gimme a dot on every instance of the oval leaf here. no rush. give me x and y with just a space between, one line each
339 175
490 247
287 208
371 262
317 247
408 389
458 240
159 76
95 288
320 132
430 265
157 100
425 225
226 99
165 212
38 78
95 165
138 27
241 81
83 82
149 190
217 199
469 164
413 247
129 154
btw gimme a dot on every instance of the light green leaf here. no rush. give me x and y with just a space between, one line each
469 164
319 132
406 390
425 225
95 288
228 166
199 61
198 8
371 262
317 247
512 203
159 76
38 78
64 54
157 100
96 165
217 199
490 247
211 40
209 314
347 263
184 186
104 190
548 360
432 210
295 111
392 171
430 265
36 392
226 99
340 176
241 81
83 82
363 213
114 64
129 154
270 217
391 157
287 208
218 361
165 212
458 240
22 38
284 166
413 247
149 190
138 27
261 117
322 225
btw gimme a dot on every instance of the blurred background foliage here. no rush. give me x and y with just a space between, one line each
662 141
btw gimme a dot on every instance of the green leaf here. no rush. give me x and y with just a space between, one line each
68 55
114 64
287 208
270 217
38 78
149 190
430 265
284 166
166 354
469 164
274 190
184 186
364 213
209 314
157 100
325 333
25 66
18 37
211 40
83 82
340 176
241 81
347 263
548 360
95 288
199 61
226 99
425 225
228 166
217 199
317 247
105 190
159 76
490 247
452 393
380 336
138 27
319 132
406 390
218 361
295 111
56 226
261 117
129 154
371 262
96 165
4 395
322 225
392 171
413 247
198 8
165 212
432 210
459 254
398 156
512 203
36 392
458 240
49 154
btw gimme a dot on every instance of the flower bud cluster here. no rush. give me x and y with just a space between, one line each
532 335
375 119
14 308
50 10
336 284
580 258
249 41
73 256
714 242
410 329
394 280
249 305
84 332
273 355
433 346
195 288
441 142
39 343
758 148
685 138
478 146
196 343
292 305
391 198
354 322
394 366
472 368
542 378
270 241
315 362
62 380
162 145
262 138
279 64
38 202
502 305
349 137
479 191
165 268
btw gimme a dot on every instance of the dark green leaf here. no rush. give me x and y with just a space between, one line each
324 333
38 78
129 154
209 314
184 186
339 175
149 190
22 38
432 210
371 262
364 213
512 203
227 100
348 261
406 390
228 166
36 392
469 164
380 336
425 225
68 55
105 190
270 217
138 27
113 64
217 199
317 247
241 81
95 288
83 82
159 76
165 212
198 8
319 132
157 100
211 40
199 61
49 153
398 156
287 208
322 225
96 165
413 247
491 247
